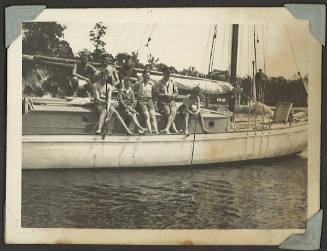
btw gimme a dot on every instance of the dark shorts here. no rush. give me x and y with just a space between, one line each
100 107
182 109
167 108
145 106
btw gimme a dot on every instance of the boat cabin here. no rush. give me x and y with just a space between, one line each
76 116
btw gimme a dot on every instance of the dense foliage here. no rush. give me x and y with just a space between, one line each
96 38
278 89
47 39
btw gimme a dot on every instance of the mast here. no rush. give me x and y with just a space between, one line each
234 54
254 93
254 63
212 49
233 67
255 49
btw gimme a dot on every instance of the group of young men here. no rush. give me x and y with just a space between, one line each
136 96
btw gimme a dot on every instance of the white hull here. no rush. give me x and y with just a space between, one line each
90 151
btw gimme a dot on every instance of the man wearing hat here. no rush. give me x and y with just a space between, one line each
83 74
166 93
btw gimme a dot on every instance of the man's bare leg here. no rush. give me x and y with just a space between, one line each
186 120
154 122
102 118
136 122
171 118
173 126
170 121
122 122
147 121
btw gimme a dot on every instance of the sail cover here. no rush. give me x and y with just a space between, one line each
207 86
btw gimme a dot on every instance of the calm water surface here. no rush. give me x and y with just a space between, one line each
262 195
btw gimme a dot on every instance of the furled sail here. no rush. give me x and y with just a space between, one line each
207 86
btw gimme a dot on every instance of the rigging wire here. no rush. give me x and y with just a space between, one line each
223 47
226 49
150 36
214 48
118 38
205 57
263 39
305 46
213 55
292 49
249 60
255 50
153 30
258 46
143 45
126 38
266 44
142 39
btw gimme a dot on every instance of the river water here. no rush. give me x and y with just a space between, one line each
266 194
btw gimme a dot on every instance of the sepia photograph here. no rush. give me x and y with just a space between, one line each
164 125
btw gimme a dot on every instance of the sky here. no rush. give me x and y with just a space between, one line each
281 50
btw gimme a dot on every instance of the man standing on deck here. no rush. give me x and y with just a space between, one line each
260 80
167 92
83 74
144 91
231 104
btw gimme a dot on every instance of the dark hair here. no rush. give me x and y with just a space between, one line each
127 81
146 70
196 90
105 55
84 52
166 69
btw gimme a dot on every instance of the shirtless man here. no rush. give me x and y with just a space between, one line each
102 93
108 72
187 109
83 74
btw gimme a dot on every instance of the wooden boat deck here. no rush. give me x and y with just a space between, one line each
55 116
